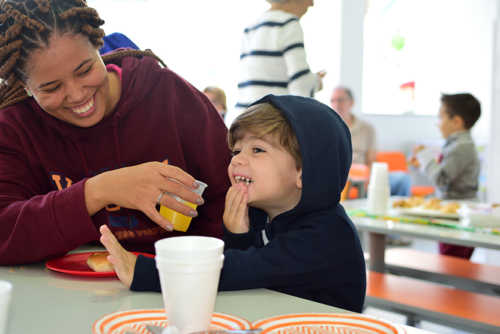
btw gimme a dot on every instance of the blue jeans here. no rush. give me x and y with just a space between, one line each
400 183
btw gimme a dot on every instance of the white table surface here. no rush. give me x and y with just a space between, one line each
450 235
379 228
46 302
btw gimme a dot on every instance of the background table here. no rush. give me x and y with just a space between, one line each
378 228
46 302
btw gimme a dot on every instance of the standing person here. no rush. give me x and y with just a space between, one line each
363 138
84 140
273 57
217 96
284 226
455 173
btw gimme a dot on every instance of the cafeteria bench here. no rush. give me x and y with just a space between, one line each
461 273
424 300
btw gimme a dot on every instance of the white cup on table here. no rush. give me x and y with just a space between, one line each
189 269
379 190
5 295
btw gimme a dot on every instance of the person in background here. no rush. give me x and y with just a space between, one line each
85 139
363 137
273 57
284 226
218 98
364 148
115 41
455 172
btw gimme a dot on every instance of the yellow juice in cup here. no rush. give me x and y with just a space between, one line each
181 222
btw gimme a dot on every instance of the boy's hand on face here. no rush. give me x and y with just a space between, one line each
122 260
236 211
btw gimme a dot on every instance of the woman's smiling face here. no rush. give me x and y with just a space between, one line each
69 80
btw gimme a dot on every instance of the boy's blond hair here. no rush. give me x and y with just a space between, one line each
264 119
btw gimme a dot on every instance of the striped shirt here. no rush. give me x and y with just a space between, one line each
273 61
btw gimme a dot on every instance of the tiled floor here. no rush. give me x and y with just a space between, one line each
480 255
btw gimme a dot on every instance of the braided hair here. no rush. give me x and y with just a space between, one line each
27 25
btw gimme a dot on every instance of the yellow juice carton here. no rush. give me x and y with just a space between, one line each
179 221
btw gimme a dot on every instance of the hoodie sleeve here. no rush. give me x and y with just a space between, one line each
36 223
300 258
146 276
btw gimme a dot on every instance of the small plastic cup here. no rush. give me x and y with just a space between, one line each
179 221
5 295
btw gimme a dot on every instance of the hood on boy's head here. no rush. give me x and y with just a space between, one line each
325 147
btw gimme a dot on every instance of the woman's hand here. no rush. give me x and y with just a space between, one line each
123 261
140 187
236 211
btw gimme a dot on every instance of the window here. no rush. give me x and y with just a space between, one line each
416 50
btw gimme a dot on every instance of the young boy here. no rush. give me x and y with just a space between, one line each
284 227
455 173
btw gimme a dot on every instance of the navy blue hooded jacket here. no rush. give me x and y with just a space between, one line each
313 250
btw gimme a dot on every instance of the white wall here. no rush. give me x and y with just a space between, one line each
321 27
400 133
200 40
494 144
351 47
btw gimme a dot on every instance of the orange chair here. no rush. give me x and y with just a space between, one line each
396 161
355 187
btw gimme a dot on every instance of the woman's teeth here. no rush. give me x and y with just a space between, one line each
243 179
86 107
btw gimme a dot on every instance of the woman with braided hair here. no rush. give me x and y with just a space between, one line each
87 141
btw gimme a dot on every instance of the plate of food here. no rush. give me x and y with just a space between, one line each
432 207
135 321
481 214
92 264
326 323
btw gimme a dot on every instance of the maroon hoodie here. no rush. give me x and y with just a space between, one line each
45 162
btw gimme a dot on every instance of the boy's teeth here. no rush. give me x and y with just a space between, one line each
243 179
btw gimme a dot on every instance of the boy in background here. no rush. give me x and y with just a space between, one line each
455 172
284 226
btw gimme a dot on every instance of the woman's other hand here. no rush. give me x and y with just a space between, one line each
236 210
142 187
